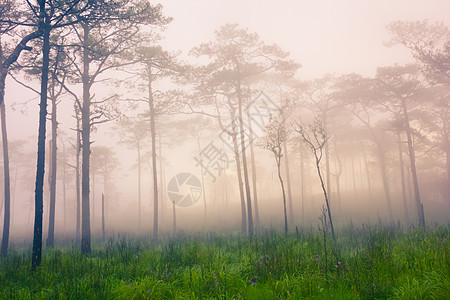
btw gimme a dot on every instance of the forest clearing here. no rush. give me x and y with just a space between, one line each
235 149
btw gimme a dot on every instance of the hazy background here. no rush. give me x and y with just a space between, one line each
335 37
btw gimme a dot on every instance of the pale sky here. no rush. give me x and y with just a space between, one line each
325 36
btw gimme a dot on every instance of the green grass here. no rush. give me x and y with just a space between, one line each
373 262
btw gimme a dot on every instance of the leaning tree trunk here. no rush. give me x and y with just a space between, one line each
86 146
412 158
327 160
6 218
40 167
327 200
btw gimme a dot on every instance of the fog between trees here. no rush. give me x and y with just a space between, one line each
258 143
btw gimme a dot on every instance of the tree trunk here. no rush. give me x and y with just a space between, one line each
154 168
302 178
77 176
40 167
327 160
366 166
139 184
384 178
64 188
103 217
446 143
244 160
51 223
86 146
6 217
402 176
278 160
338 166
238 169
252 158
412 158
288 182
174 215
93 200
326 197
202 177
161 186
353 173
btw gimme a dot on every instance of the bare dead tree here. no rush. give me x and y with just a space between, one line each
315 136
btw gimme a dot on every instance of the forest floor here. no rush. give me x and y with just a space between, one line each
368 262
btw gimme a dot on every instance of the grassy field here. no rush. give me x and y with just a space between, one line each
368 262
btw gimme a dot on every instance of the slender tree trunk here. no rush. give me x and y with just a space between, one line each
139 184
412 158
302 182
53 152
446 143
252 158
106 191
40 168
369 183
402 176
161 186
154 168
288 183
354 175
202 177
326 197
103 216
244 160
225 179
278 159
77 177
174 215
64 187
93 200
384 178
238 169
86 146
6 217
338 166
327 159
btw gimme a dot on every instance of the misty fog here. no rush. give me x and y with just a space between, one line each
222 94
